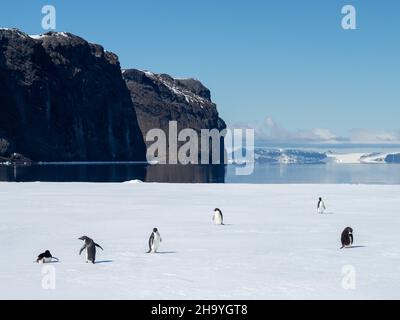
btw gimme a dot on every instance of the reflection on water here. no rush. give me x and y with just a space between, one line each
320 173
263 173
114 172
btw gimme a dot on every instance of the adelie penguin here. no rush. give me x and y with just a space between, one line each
347 237
90 247
154 241
218 218
321 206
46 257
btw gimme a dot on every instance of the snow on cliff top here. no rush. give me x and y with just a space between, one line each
40 36
189 96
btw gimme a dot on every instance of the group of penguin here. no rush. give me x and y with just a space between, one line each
155 239
347 234
90 247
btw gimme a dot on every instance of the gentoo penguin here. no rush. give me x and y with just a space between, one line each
46 257
321 206
347 237
90 247
154 241
218 218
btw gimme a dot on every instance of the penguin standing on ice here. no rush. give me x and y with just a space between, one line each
218 218
46 257
321 206
347 237
90 247
154 241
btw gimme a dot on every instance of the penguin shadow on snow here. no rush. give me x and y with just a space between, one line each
354 247
48 262
164 252
103 261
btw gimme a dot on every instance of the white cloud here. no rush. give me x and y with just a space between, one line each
315 135
270 131
368 136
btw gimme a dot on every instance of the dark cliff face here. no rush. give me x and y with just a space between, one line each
158 99
63 99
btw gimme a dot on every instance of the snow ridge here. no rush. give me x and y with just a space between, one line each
43 35
170 83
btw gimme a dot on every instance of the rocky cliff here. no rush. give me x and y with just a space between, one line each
64 99
159 98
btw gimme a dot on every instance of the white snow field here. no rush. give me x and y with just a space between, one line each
274 245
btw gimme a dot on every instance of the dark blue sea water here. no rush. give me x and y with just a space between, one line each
263 173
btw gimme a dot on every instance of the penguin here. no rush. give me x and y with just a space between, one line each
347 237
46 257
218 217
90 247
154 241
321 206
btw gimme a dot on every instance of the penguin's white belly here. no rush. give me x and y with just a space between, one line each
217 218
155 244
45 260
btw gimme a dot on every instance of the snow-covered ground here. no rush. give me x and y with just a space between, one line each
274 245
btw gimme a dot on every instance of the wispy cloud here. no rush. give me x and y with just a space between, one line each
368 136
270 131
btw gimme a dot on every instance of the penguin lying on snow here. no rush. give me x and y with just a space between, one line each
347 237
154 241
218 218
90 247
46 257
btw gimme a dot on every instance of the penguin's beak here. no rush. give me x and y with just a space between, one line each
81 238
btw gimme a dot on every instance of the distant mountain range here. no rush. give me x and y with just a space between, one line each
296 156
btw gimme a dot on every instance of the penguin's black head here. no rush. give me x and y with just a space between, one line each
47 252
216 209
84 238
155 230
349 230
320 199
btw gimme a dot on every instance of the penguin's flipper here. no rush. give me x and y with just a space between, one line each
83 248
151 240
97 245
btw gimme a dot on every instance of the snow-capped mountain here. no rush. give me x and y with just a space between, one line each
298 156
289 156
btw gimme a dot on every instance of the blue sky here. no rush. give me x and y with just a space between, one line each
286 61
